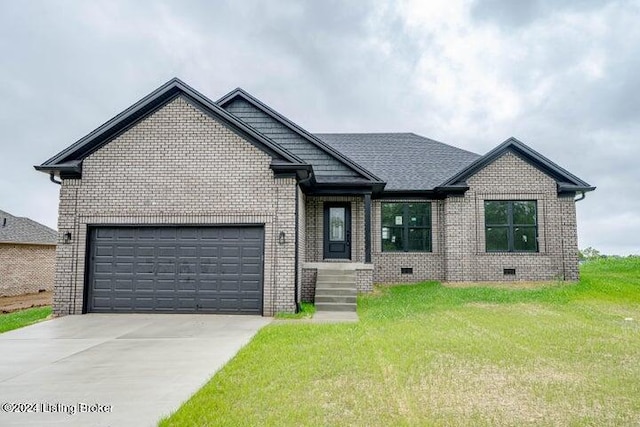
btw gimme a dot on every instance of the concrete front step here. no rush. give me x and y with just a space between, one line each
336 298
336 291
347 292
334 306
328 285
338 276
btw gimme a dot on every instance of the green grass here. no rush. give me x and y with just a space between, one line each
431 355
306 311
21 318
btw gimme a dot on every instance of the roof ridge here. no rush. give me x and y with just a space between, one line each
401 133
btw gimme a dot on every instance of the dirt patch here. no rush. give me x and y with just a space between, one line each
20 302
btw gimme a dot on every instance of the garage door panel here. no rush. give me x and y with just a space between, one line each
165 268
147 233
104 250
167 251
248 303
125 234
145 251
123 268
176 269
250 286
210 234
251 252
230 252
188 233
166 285
106 233
144 267
103 267
230 233
145 285
187 251
166 233
210 251
123 285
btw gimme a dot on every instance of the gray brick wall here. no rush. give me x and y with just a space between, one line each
458 238
426 265
308 287
178 166
26 269
510 178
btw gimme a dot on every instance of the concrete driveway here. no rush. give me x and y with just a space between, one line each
113 369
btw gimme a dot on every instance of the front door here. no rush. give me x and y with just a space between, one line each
337 231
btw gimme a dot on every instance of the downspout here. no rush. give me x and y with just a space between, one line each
564 261
297 261
52 178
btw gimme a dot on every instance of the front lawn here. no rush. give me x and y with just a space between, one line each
427 354
21 318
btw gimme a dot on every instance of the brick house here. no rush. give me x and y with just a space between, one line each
27 256
182 204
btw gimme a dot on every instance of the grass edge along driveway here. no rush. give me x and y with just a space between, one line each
21 318
425 354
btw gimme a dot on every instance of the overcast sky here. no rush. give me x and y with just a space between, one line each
562 76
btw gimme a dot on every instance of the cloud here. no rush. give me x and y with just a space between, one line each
559 75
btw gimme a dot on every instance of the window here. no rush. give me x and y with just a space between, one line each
511 226
406 227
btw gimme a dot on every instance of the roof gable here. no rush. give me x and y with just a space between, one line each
328 163
566 181
69 160
14 229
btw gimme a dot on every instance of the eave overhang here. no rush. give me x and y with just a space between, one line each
301 171
71 169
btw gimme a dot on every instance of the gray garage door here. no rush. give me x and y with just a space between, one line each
176 269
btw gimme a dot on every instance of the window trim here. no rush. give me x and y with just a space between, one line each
405 227
510 226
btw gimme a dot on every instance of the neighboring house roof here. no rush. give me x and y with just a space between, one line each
329 164
15 229
406 161
566 181
69 160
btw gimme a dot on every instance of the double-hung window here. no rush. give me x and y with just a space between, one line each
406 227
511 226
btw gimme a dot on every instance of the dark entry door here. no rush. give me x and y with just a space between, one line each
337 231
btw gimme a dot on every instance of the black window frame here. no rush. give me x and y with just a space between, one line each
512 227
406 227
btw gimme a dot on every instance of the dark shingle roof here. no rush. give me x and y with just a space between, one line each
406 161
14 229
